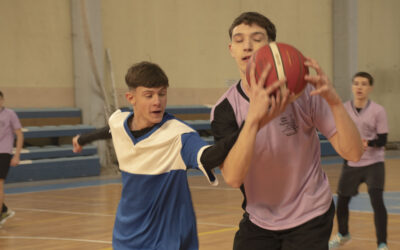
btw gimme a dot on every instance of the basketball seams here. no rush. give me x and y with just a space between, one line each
280 71
283 59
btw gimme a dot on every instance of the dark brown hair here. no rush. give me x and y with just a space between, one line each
250 18
365 75
146 74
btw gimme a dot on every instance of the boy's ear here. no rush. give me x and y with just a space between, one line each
130 97
230 48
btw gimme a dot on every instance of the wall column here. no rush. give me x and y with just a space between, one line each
87 93
345 61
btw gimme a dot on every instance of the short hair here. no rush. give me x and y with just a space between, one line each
250 18
365 75
1 94
146 74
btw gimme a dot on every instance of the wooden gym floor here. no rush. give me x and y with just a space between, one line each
79 213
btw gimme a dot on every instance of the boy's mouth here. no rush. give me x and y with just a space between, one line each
246 58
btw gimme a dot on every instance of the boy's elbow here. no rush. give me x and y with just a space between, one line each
356 156
231 178
235 183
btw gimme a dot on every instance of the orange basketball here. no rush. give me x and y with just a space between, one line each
286 61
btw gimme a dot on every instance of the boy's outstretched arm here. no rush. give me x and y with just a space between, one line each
79 141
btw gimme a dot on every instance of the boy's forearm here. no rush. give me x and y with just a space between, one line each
19 142
98 134
348 140
237 163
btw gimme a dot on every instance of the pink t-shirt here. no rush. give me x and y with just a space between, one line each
370 121
9 122
286 186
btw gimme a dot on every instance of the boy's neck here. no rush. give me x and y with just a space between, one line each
135 125
360 103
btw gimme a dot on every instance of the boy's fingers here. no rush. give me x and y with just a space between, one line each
252 73
264 74
270 89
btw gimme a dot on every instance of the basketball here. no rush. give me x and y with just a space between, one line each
286 61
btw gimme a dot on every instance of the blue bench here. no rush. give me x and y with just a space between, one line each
199 124
55 131
50 151
189 109
58 168
326 147
53 161
188 112
47 112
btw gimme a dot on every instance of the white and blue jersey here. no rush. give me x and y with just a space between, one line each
155 210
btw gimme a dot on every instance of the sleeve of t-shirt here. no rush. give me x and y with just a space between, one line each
193 147
322 116
15 123
98 134
215 155
224 122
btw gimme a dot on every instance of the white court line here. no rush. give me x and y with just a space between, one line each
61 188
106 215
62 212
93 204
54 238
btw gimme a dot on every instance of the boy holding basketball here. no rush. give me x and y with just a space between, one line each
10 126
154 150
287 200
371 121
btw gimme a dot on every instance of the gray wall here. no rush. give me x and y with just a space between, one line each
189 39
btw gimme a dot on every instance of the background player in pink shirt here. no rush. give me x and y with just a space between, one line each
9 126
370 119
287 199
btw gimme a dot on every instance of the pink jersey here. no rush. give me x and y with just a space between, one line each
285 186
370 121
9 122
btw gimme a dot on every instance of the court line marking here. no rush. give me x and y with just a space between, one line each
62 212
110 242
104 215
54 238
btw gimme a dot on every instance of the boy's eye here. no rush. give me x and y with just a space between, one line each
258 37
